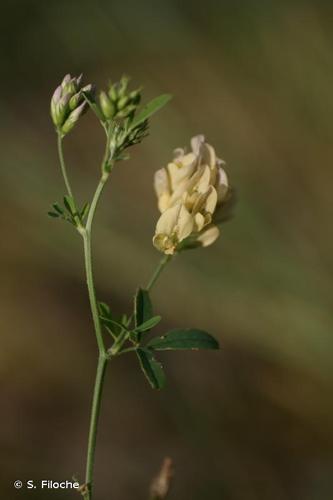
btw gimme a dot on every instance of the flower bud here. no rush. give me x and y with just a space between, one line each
124 113
73 118
107 106
68 104
122 102
118 102
113 94
123 84
135 96
75 100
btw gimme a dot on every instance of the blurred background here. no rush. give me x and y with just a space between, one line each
253 421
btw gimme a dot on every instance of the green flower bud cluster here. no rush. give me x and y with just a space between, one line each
118 102
68 103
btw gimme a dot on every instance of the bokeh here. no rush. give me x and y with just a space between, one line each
254 420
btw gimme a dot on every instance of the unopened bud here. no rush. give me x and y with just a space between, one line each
135 96
113 94
124 113
68 103
123 84
66 79
73 118
107 106
122 102
75 101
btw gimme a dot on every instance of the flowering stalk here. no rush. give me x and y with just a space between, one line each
163 262
187 207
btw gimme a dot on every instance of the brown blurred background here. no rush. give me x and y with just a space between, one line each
255 420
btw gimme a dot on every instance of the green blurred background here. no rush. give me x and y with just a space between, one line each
255 420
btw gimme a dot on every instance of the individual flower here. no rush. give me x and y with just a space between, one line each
68 103
196 182
174 225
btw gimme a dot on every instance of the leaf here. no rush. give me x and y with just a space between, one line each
149 109
143 309
104 309
183 339
150 323
53 214
114 325
57 208
70 204
152 368
84 211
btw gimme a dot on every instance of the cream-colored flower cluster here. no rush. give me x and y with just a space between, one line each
189 190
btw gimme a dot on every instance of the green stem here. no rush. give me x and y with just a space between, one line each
163 262
103 358
63 165
91 291
95 411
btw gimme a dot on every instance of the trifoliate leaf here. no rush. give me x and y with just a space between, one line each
183 339
152 368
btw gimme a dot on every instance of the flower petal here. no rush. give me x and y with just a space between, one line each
168 220
185 224
209 236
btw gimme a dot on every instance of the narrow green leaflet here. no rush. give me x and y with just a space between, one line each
111 325
84 211
57 208
70 204
149 324
143 309
150 108
183 339
57 211
104 309
152 368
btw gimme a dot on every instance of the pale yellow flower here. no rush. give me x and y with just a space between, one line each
197 182
174 225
